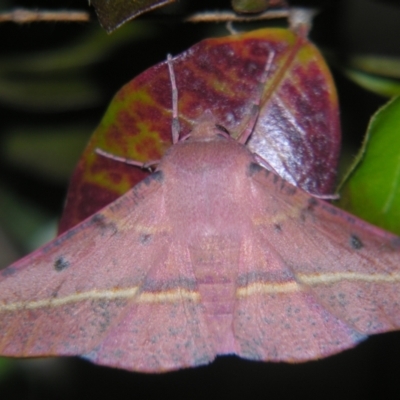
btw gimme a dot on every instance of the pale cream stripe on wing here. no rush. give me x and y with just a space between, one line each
332 277
277 218
314 279
259 287
145 297
168 296
151 229
73 298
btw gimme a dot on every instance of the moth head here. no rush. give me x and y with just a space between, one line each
207 128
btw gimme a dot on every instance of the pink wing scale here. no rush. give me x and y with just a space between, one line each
289 278
289 327
320 289
210 255
172 338
99 305
166 328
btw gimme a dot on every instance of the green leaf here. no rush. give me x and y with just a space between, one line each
85 51
383 86
51 94
29 226
372 187
38 149
376 64
374 72
5 367
59 79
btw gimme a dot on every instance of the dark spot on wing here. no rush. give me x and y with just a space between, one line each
396 242
355 242
155 176
8 271
98 219
278 228
312 204
145 239
103 223
61 263
64 237
351 219
55 292
253 168
290 189
331 210
308 211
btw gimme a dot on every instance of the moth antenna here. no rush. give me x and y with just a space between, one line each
182 139
175 128
128 161
333 196
255 107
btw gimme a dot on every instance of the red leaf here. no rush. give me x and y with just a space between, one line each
210 255
297 132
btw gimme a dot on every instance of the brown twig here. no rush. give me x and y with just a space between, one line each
227 16
24 16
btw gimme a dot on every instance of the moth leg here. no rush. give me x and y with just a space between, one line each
143 165
255 108
175 128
